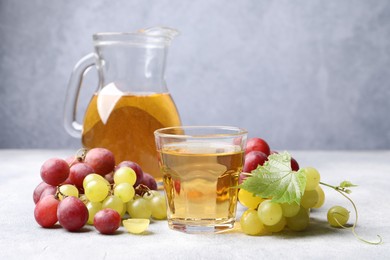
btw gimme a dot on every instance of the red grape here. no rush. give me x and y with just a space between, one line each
257 144
78 172
149 181
45 211
101 160
72 160
41 189
294 164
136 168
242 177
254 159
54 171
72 213
107 221
109 177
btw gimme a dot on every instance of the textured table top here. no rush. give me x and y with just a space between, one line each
21 237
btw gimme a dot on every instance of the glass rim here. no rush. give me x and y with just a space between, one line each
235 131
137 37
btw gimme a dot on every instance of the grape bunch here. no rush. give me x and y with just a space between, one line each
266 216
90 189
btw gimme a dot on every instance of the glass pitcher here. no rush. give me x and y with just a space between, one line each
132 99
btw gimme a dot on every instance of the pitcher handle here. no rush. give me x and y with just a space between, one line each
73 127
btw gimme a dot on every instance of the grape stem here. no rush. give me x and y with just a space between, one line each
343 191
79 156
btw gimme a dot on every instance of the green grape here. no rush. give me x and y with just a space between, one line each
124 210
277 227
310 198
159 207
251 223
151 194
68 190
139 208
338 216
83 198
321 197
125 174
247 199
96 190
93 208
125 191
290 209
312 178
300 221
94 177
270 212
113 202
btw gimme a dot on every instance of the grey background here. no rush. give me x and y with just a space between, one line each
301 74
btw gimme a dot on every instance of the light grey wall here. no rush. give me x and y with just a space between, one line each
301 74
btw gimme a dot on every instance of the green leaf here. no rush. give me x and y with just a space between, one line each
276 180
347 184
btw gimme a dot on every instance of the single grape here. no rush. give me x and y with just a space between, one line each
257 144
251 223
52 190
101 160
125 191
294 165
290 209
109 177
72 160
67 181
247 199
321 197
277 227
125 174
72 213
139 208
242 177
310 198
96 177
93 208
107 221
96 190
54 171
149 195
300 221
312 178
270 212
113 202
338 216
136 225
41 187
149 181
254 159
78 172
135 167
159 207
45 211
67 190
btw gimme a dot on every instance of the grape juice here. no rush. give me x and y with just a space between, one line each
125 124
200 181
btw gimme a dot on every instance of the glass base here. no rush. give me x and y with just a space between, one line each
200 227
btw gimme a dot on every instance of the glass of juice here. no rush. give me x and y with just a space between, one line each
201 167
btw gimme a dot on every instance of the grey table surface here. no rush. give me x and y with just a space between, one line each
22 238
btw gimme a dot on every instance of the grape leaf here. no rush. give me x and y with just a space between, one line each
347 184
276 180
